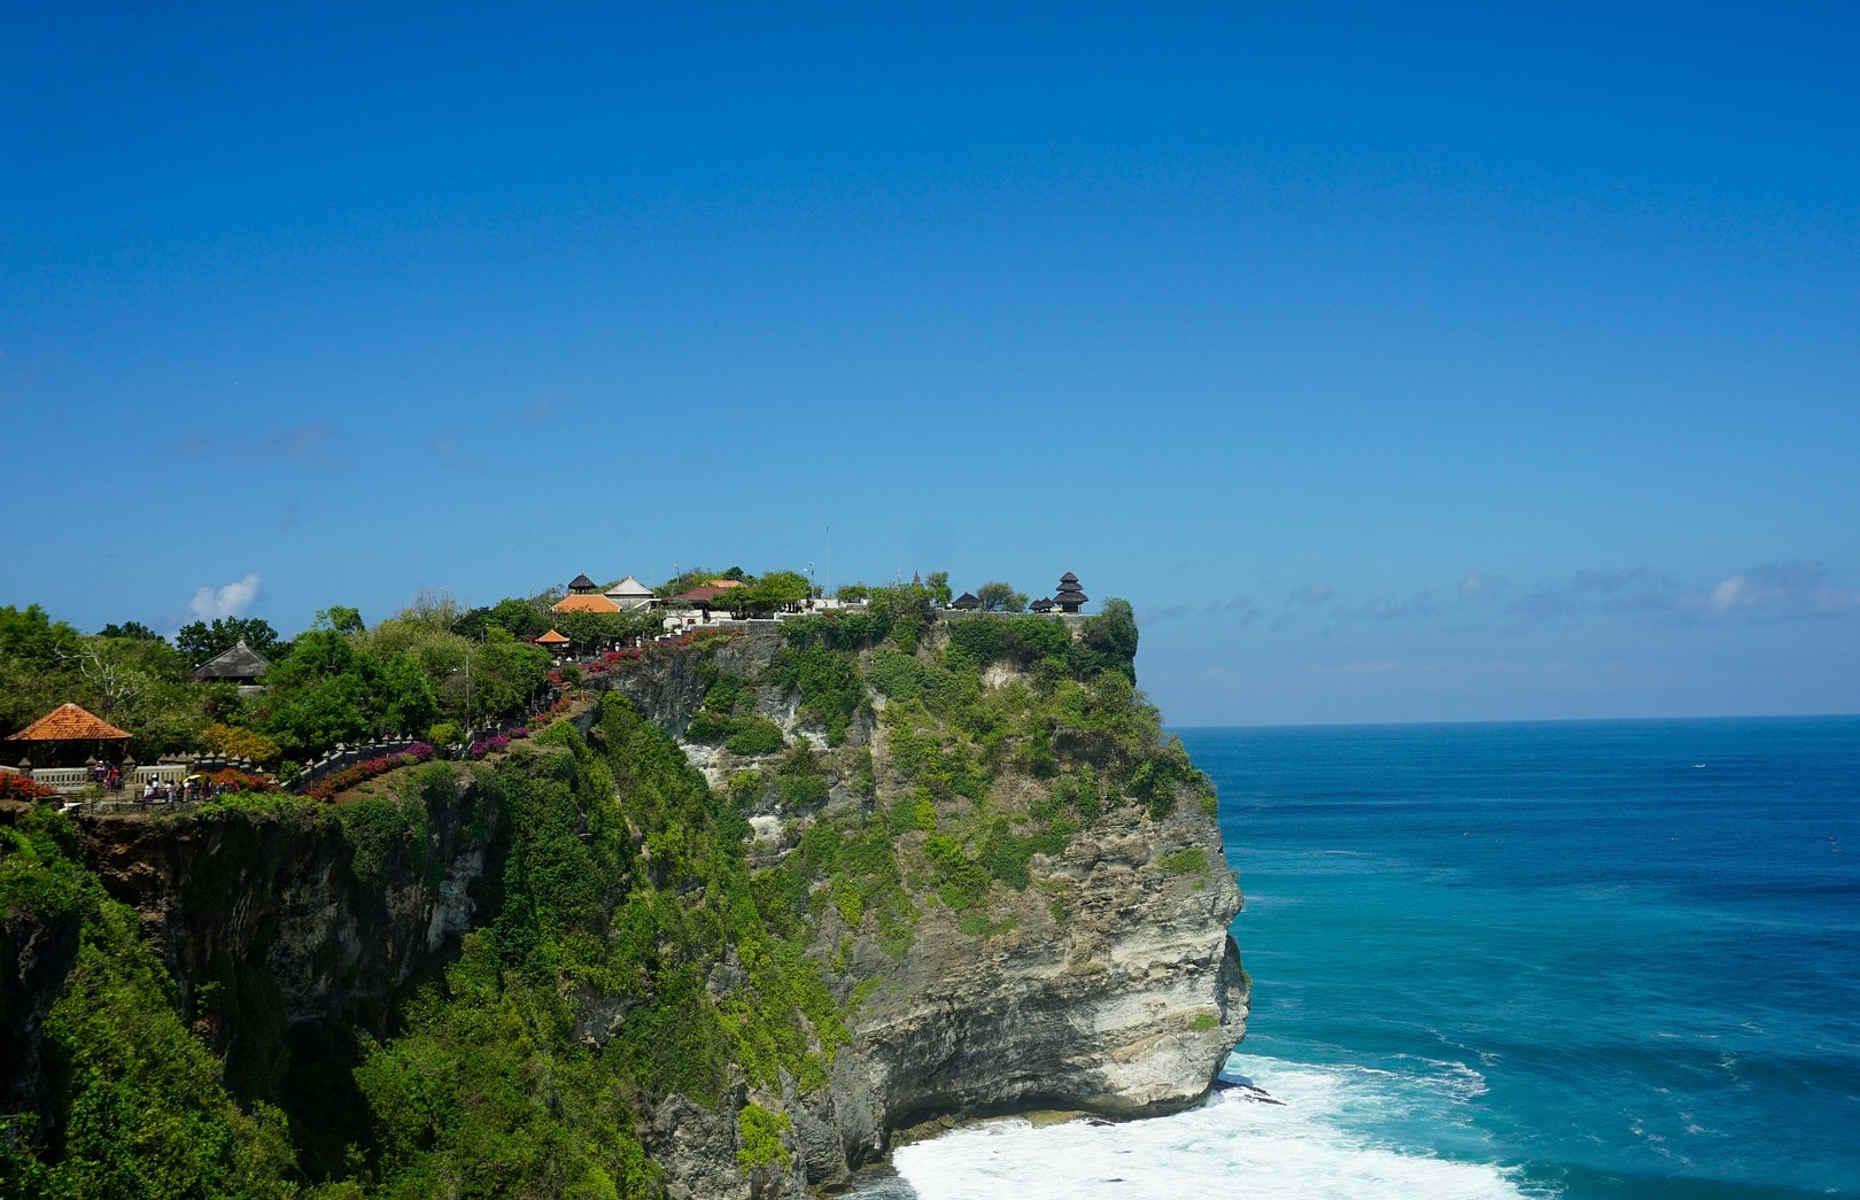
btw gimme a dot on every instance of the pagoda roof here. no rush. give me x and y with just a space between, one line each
1070 578
581 583
966 600
238 661
1070 596
629 587
68 723
552 638
592 602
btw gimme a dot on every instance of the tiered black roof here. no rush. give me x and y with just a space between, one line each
1068 592
581 583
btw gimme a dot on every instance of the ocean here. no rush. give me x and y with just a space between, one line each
1570 959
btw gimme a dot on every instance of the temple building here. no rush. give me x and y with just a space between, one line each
1042 605
1068 598
584 595
630 594
967 602
238 664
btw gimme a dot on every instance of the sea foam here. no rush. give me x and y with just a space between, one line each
1233 1144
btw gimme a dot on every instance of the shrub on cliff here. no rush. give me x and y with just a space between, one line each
755 736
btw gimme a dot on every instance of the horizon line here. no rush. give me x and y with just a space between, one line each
1814 716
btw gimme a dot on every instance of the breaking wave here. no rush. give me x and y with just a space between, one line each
1285 1130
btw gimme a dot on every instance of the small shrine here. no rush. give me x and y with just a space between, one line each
1068 598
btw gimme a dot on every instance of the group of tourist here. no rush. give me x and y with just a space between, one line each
109 776
194 787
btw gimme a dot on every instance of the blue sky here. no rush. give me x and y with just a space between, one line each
1397 364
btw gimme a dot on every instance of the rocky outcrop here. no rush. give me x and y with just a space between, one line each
1122 1000
1108 984
260 899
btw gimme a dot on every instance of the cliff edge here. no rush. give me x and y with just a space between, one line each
767 902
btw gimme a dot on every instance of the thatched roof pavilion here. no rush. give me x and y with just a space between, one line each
581 583
967 602
239 663
552 638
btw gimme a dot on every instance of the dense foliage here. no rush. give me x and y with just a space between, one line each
138 1106
617 885
337 682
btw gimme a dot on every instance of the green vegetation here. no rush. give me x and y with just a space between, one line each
832 693
338 682
616 884
1190 860
136 1097
761 1137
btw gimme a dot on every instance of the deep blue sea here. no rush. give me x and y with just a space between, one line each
1576 959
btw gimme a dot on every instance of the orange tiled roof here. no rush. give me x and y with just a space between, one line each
584 602
68 723
552 638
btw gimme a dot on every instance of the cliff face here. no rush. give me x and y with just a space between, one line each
1008 910
1122 998
276 897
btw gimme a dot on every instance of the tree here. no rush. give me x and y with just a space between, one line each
515 615
1000 597
341 618
130 629
1107 642
199 641
775 590
939 588
29 634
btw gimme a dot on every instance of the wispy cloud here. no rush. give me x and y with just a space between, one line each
1310 598
1478 584
1779 589
1241 609
1361 666
227 600
297 443
1638 589
1420 604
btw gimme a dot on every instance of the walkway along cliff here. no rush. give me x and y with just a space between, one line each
768 902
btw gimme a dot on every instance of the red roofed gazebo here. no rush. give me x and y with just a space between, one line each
65 728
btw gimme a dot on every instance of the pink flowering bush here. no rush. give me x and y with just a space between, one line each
347 777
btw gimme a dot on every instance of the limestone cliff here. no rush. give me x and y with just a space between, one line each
1010 887
1111 984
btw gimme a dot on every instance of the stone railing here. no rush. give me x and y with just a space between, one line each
345 755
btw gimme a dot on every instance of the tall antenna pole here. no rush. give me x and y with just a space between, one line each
828 590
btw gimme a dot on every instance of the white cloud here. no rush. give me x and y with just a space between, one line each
230 600
1734 592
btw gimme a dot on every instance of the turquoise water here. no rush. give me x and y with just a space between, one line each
1597 959
1643 937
